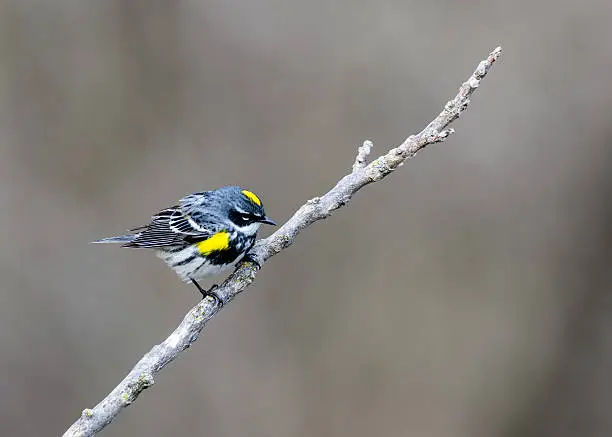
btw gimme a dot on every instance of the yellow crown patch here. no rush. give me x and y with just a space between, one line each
252 197
219 241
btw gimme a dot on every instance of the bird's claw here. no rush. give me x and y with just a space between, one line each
209 292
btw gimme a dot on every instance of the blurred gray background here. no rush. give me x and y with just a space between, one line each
468 295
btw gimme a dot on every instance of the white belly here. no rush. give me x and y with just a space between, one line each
197 268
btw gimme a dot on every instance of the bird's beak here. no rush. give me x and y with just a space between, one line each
268 221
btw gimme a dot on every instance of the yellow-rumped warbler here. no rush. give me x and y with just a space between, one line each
204 234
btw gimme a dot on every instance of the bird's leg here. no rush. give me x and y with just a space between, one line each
199 287
209 292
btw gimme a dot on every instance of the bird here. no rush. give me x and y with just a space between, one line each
202 235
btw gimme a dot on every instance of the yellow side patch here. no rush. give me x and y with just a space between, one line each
252 197
217 242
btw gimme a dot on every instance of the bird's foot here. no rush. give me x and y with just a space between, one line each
209 292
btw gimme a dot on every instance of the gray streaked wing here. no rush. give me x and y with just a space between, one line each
195 201
183 223
170 227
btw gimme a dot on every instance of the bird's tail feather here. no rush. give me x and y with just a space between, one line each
118 239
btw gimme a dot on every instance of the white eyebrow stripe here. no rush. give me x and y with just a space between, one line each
241 211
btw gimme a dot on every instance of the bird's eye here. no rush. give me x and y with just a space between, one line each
245 218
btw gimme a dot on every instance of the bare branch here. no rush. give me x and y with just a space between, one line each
142 375
362 155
